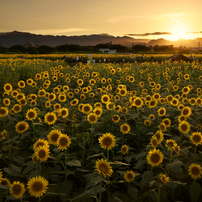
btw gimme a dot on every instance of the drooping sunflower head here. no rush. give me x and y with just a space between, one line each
196 138
21 127
37 186
4 135
129 176
195 171
17 189
63 141
154 157
125 128
103 167
107 141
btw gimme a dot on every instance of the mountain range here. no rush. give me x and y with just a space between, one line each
8 39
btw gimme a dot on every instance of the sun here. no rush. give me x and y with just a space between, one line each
179 32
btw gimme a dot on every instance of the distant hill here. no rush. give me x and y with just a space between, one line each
8 39
15 37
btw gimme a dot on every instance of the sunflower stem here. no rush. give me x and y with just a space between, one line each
33 130
107 154
159 192
195 153
100 197
171 154
65 164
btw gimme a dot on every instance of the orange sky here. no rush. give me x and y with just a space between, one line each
140 19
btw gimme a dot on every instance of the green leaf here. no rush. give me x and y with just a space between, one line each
95 155
13 170
74 162
133 192
29 167
93 180
58 157
175 166
146 178
116 199
195 191
64 187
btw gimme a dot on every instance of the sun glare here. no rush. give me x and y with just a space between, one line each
179 32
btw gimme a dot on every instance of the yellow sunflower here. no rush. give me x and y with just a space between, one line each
182 118
8 87
31 114
21 127
138 102
153 103
17 189
154 141
164 179
167 122
98 111
170 144
42 153
195 171
40 142
161 111
116 118
3 111
147 123
92 118
107 141
125 128
53 136
63 141
103 167
154 157
87 108
196 138
37 186
129 176
186 111
105 99
64 112
184 127
50 118
5 181
6 101
74 102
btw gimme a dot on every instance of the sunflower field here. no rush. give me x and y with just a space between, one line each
100 132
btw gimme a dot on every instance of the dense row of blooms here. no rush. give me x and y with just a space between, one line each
138 119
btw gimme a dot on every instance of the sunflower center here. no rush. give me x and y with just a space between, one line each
31 114
195 171
155 158
21 127
185 111
103 168
2 111
63 141
50 118
107 141
197 138
37 186
129 176
42 153
54 137
17 189
184 127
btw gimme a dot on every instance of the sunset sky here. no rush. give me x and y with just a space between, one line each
148 19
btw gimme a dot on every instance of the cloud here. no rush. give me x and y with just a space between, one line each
148 34
194 32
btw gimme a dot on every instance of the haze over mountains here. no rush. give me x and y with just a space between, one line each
13 38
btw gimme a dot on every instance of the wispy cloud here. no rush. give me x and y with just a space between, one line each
194 32
148 34
124 18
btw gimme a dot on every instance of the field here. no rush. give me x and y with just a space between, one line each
100 132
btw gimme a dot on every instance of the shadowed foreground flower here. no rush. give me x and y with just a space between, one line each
195 171
4 134
5 181
196 138
163 178
17 189
129 176
37 186
154 157
107 141
103 167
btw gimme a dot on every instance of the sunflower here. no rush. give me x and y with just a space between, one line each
154 141
53 136
23 102
40 142
34 158
74 102
174 102
184 127
21 127
50 118
161 111
92 118
105 99
122 92
170 144
6 101
5 182
62 97
87 108
138 102
169 98
186 90
147 122
82 97
98 111
162 127
186 111
116 118
152 117
153 103
107 141
64 112
103 167
57 106
180 107
167 122
80 82
196 138
125 128
17 189
31 114
154 157
176 148
37 186
192 101
186 76
51 97
124 110
3 111
124 149
8 87
48 104
129 176
63 141
159 136
195 171
164 179
42 153
156 96
182 118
